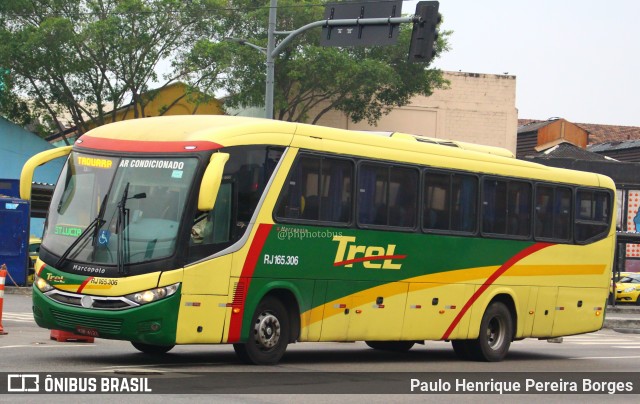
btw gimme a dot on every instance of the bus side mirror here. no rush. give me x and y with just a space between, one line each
26 176
211 181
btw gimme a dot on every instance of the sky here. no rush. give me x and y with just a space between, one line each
573 59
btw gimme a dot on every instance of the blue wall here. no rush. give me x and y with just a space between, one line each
17 145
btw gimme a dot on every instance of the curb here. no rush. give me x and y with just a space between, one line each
623 325
17 290
620 308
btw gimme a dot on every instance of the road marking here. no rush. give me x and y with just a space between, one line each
607 357
45 346
152 365
18 317
606 342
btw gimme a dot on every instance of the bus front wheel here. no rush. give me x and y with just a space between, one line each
269 334
152 349
496 333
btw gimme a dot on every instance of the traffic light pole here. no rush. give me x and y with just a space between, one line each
271 63
274 50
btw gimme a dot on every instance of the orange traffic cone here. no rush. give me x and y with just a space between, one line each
3 276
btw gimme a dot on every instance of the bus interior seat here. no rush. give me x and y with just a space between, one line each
311 206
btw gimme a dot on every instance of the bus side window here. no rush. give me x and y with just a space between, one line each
373 184
519 209
506 208
552 213
212 229
318 189
494 206
592 215
387 195
543 225
562 214
403 198
450 202
464 203
335 190
437 188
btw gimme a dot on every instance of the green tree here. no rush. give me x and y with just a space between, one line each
11 107
85 58
362 82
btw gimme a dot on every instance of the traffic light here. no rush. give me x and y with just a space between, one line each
424 33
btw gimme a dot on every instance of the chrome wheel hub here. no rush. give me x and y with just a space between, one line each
267 330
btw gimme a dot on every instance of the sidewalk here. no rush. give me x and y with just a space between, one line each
19 290
623 318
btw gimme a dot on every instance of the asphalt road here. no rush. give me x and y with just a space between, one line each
311 367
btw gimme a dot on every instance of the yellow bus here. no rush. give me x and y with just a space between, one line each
260 233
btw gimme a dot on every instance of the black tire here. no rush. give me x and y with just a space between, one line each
638 301
269 337
152 349
393 346
496 334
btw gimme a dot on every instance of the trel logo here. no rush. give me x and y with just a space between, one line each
349 252
55 278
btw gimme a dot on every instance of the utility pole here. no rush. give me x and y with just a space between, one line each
271 44
272 50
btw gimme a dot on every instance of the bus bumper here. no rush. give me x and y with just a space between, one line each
153 323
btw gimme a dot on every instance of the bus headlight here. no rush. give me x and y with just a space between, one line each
152 295
42 285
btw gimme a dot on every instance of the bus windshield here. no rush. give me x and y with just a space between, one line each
118 210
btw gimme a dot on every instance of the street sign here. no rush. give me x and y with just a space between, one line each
360 34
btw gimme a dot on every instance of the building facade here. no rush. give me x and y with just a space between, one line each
476 108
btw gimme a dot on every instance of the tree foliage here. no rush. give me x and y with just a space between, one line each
85 58
362 82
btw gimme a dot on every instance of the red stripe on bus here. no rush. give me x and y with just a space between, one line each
142 146
372 258
83 284
491 279
235 325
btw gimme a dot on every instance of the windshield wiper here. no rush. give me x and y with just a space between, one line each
95 224
122 223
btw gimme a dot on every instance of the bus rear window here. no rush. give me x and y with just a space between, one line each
592 215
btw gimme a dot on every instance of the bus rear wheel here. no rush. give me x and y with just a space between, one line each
269 334
496 334
152 349
393 346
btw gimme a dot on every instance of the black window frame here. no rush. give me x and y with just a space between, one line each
577 220
450 174
481 179
389 165
555 187
303 221
483 193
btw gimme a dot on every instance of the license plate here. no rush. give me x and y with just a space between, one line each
90 332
